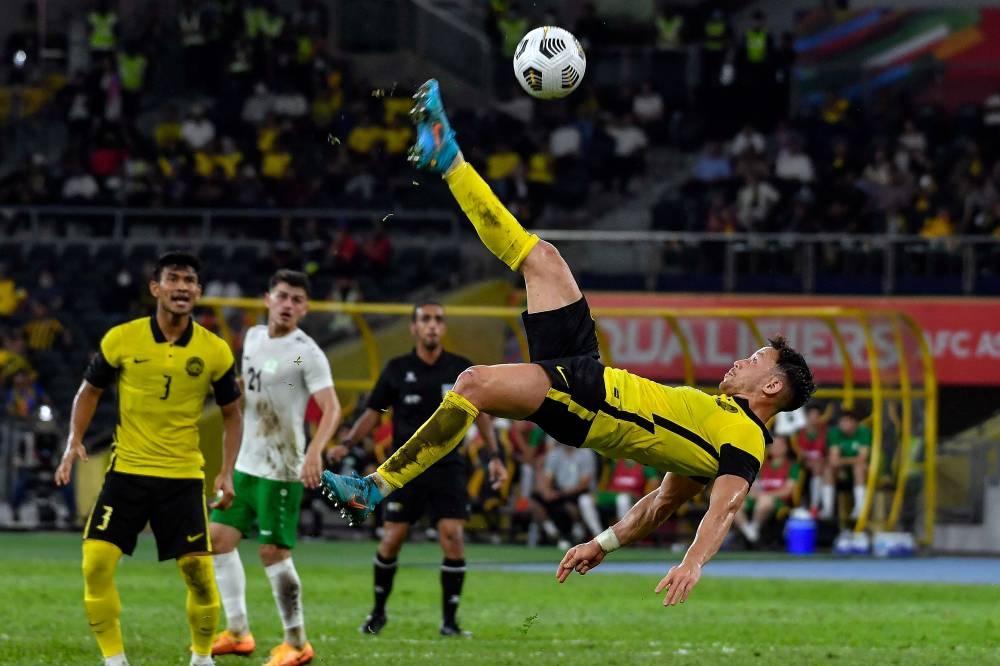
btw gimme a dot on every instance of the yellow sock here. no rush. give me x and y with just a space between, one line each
499 230
100 596
439 434
202 600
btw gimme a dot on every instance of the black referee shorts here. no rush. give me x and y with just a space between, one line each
440 492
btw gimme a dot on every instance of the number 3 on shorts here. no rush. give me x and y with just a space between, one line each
106 518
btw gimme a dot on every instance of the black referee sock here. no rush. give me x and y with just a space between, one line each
385 571
452 577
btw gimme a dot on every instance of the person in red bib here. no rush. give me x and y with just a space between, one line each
771 491
812 449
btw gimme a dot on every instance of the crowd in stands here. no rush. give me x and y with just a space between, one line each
814 175
263 114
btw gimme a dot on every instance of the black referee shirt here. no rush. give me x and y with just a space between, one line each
414 389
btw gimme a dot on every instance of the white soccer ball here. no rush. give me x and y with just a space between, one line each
549 63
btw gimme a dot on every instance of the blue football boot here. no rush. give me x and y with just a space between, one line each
436 148
355 496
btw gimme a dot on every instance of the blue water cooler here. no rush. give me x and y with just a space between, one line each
801 533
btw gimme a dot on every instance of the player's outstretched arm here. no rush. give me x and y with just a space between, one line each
648 513
84 406
727 498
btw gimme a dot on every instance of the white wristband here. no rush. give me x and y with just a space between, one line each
608 541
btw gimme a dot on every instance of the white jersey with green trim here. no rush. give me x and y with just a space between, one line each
279 375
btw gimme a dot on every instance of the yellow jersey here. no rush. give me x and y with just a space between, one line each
162 388
674 429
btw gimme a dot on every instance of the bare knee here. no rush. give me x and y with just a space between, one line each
392 539
272 554
452 539
543 257
473 384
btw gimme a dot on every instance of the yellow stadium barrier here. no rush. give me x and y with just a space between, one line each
903 445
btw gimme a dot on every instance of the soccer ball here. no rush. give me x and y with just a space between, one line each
549 63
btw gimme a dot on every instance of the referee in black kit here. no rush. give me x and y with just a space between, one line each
412 385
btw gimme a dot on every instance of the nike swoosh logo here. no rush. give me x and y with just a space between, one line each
192 539
562 373
139 360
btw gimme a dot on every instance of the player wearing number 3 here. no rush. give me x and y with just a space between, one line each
165 366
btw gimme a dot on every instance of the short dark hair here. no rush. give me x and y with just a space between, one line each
175 258
848 412
420 304
289 277
797 373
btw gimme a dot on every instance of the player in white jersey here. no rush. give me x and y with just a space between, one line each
282 368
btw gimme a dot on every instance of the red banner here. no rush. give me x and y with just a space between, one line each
963 336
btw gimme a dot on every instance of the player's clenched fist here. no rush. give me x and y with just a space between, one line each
581 558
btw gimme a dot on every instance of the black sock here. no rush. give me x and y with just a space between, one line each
452 577
385 571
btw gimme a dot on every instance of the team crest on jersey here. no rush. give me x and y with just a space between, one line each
726 406
411 377
194 366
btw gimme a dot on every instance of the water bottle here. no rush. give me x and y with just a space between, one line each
801 533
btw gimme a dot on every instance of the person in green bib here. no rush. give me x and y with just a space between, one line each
850 444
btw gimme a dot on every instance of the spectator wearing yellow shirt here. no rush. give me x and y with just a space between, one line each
10 295
220 154
329 100
501 166
540 176
939 225
168 131
397 137
276 164
397 108
364 137
12 357
268 134
44 330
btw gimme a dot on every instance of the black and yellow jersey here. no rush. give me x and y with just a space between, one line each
161 393
678 429
674 429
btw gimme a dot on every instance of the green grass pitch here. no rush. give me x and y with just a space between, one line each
518 618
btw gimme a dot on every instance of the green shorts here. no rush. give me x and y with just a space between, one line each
272 505
749 503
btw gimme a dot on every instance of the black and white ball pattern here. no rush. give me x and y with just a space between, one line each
549 63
